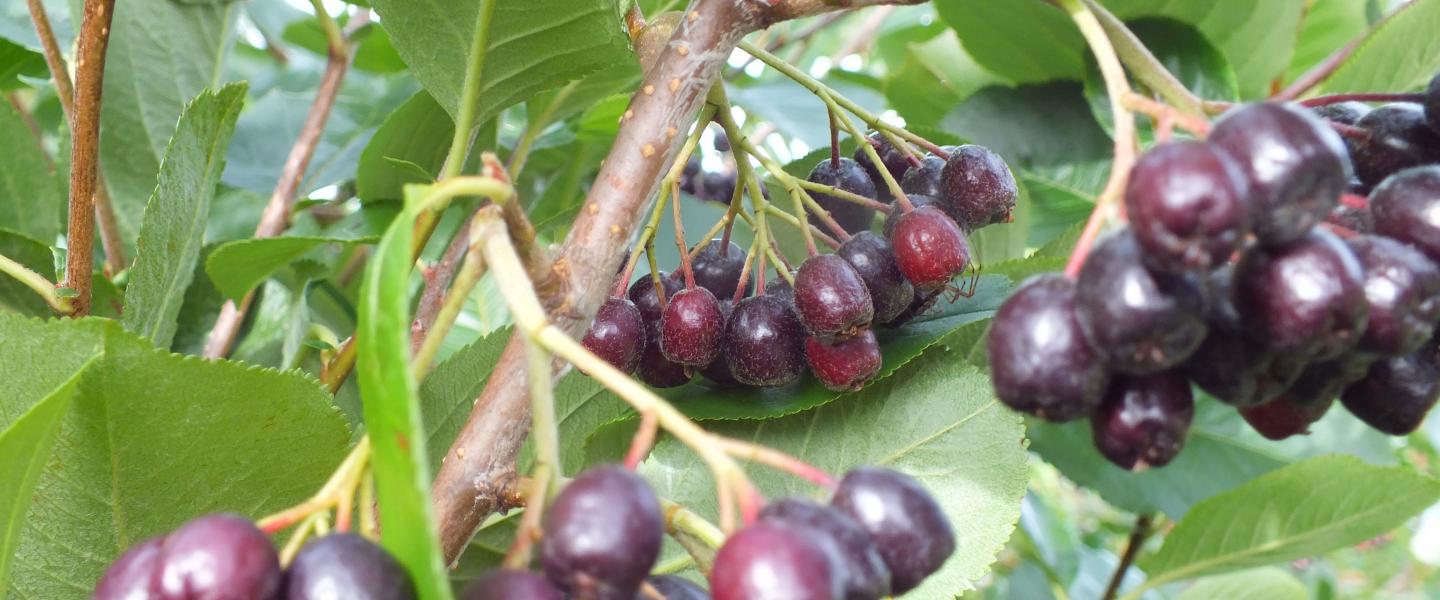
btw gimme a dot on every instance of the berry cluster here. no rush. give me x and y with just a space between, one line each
715 321
881 535
226 556
1249 271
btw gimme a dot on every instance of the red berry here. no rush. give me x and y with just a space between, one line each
691 330
658 371
930 248
853 552
1143 420
893 158
1187 206
924 180
846 365
642 293
831 299
1040 362
617 334
602 534
978 187
1403 290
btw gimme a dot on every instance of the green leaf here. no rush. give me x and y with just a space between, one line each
33 255
392 407
161 54
1022 41
17 60
1265 583
1401 54
571 100
30 187
237 267
373 50
198 310
936 74
419 133
1325 28
1030 125
50 356
1302 510
534 45
938 423
154 439
449 392
174 226
24 450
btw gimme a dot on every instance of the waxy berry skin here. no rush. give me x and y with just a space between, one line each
1402 287
692 328
1294 165
618 334
133 574
1399 138
1407 207
848 175
717 267
929 248
894 160
862 571
1187 205
509 584
924 180
846 365
1144 420
874 260
831 299
917 201
764 343
772 561
217 556
660 372
1040 362
1308 398
652 309
345 565
1305 298
978 187
911 531
602 534
1395 395
1139 321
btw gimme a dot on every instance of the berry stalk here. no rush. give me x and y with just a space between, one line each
901 198
1368 97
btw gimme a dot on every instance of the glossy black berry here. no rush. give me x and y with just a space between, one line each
1432 103
930 248
133 575
910 530
717 268
345 565
642 293
1305 298
1228 364
218 556
1403 289
1293 162
1407 207
602 534
617 334
924 180
846 365
849 176
692 328
1144 420
893 158
773 561
831 299
674 587
1399 138
1187 206
862 571
1284 417
978 187
874 259
1139 321
1040 362
717 187
507 584
1395 395
764 343
782 290
660 372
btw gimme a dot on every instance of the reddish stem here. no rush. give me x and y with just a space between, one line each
680 238
834 140
642 442
1338 98
1349 131
1355 201
1087 239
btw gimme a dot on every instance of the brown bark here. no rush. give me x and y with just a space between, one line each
85 125
651 131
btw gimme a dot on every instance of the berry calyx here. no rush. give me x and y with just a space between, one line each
1402 287
1407 207
1187 206
978 187
1140 322
846 365
617 334
602 534
764 343
1399 139
1294 165
692 328
893 159
911 532
718 266
874 259
1040 362
929 248
831 299
847 175
857 560
771 560
1305 298
1395 395
345 565
1143 420
218 556
509 584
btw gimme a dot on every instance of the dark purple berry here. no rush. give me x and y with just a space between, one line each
1228 365
849 176
910 530
507 584
1040 362
978 187
1293 162
133 575
1143 420
1395 395
917 201
602 534
617 334
772 561
831 299
345 565
218 556
658 371
922 303
782 290
846 365
1403 289
1140 322
717 268
930 248
893 158
642 293
1407 207
1187 206
924 180
1305 298
1398 139
721 141
1284 417
862 571
692 328
764 343
674 587
717 187
874 259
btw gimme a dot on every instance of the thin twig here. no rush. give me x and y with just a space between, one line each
1143 64
85 149
42 286
1138 533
